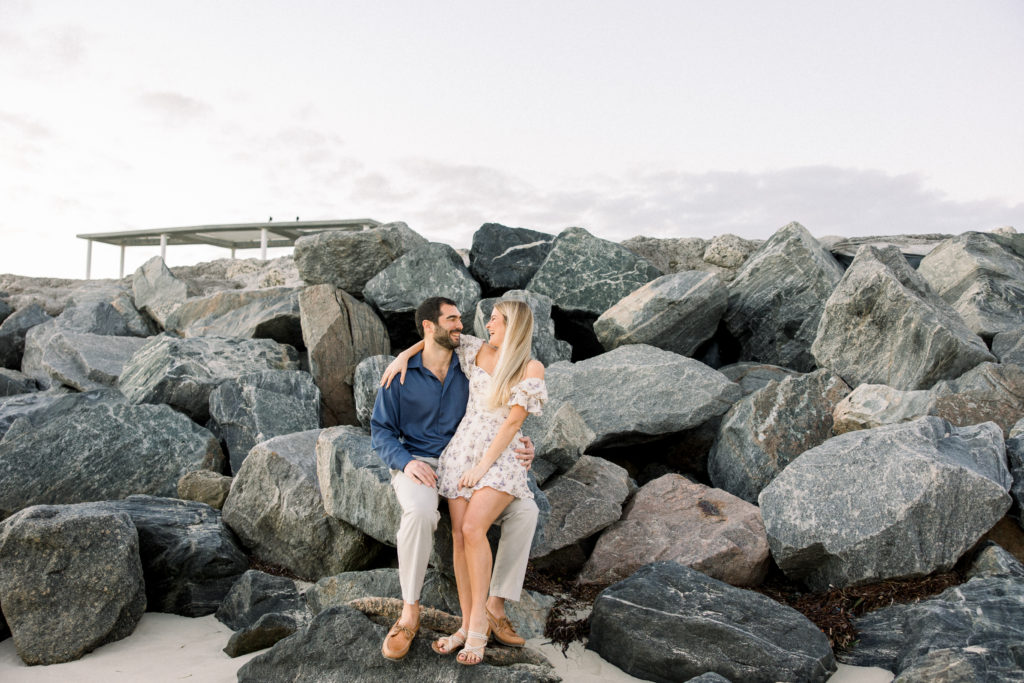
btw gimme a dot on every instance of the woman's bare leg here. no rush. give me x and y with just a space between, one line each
457 507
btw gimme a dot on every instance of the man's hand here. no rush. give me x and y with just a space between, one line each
421 473
526 453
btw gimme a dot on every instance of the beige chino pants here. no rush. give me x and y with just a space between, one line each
416 538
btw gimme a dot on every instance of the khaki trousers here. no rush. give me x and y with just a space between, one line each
416 538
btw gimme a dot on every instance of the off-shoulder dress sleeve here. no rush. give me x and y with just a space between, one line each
466 351
530 393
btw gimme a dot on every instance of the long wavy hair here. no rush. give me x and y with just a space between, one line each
514 354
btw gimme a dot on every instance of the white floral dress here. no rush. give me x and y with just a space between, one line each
479 427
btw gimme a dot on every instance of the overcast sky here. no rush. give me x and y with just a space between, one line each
659 118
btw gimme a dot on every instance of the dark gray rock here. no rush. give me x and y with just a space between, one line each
754 376
503 258
18 406
971 632
563 438
846 511
777 297
13 382
77 562
763 432
348 260
256 594
1008 346
5 309
204 486
993 560
85 361
365 383
1015 458
434 269
339 332
275 507
545 347
12 333
586 275
268 630
677 312
156 291
183 372
693 624
874 324
981 275
96 446
342 644
271 313
253 408
94 317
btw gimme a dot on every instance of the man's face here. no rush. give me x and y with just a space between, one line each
448 328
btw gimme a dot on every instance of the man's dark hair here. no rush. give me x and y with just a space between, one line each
430 310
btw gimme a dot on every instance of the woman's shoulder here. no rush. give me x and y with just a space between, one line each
534 369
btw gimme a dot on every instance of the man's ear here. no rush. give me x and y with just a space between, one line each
428 329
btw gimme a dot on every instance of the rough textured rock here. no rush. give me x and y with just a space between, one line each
913 247
5 308
268 630
846 511
343 644
21 406
348 260
586 275
875 324
86 361
251 314
503 258
204 486
13 331
275 508
693 624
874 405
763 432
677 312
776 299
183 372
156 291
993 560
434 269
971 632
238 273
13 382
676 520
73 561
95 446
1008 346
584 500
670 255
253 408
1015 458
256 594
545 348
365 382
339 332
754 376
564 437
981 275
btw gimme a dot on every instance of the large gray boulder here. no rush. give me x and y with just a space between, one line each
275 508
184 372
255 594
503 258
981 275
971 632
156 291
5 308
348 260
13 331
545 347
586 275
1008 346
693 624
677 520
722 255
846 511
873 325
339 332
96 446
433 269
765 431
85 361
874 405
13 382
913 247
71 580
777 297
365 383
13 408
271 313
677 312
1015 459
252 408
754 376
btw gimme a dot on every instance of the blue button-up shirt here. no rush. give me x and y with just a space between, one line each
418 418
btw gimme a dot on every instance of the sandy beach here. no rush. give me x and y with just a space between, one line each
166 647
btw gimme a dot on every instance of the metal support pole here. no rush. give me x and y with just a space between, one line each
122 262
263 243
163 248
232 253
88 259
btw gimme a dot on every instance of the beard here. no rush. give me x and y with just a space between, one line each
444 339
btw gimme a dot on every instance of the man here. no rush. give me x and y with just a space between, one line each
412 423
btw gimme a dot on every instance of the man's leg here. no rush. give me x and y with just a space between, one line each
518 523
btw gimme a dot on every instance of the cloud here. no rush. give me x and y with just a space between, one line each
174 108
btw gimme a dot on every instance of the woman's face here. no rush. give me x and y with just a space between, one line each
496 328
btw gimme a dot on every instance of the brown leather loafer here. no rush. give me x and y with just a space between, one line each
503 631
398 641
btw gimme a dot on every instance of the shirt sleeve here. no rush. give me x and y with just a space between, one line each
531 393
384 431
467 350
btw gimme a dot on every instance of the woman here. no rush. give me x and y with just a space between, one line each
478 472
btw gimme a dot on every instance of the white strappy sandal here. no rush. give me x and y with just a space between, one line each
446 645
475 650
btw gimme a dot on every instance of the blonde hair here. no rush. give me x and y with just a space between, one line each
514 354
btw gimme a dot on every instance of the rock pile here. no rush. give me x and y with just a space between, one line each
842 411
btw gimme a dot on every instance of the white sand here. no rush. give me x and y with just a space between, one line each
165 647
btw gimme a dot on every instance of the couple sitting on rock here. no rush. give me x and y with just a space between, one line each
450 427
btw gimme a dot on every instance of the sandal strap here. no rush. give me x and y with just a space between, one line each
478 636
